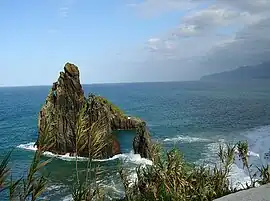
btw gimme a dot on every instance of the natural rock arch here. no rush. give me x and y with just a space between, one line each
57 120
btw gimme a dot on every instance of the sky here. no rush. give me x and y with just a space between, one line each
113 41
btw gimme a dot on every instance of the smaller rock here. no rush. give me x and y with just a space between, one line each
141 142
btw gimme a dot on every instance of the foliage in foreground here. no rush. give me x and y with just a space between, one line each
169 178
32 185
96 140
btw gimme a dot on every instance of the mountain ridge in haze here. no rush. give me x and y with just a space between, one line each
260 71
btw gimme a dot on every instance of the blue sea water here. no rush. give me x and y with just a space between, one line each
193 116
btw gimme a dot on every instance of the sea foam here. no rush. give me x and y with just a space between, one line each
238 176
126 157
182 138
258 140
67 198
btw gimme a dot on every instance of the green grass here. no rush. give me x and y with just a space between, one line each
110 105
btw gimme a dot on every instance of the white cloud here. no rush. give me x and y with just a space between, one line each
64 11
251 45
153 40
224 35
65 7
187 30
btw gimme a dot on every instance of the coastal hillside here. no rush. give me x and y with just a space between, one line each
261 71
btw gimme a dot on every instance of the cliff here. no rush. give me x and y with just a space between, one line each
69 120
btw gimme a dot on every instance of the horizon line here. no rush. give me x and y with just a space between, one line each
101 83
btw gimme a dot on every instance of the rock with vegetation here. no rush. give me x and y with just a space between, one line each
71 123
142 143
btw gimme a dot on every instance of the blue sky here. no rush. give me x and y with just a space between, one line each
113 41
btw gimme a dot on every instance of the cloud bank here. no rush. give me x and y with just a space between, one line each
212 36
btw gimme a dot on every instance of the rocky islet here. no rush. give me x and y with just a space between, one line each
61 110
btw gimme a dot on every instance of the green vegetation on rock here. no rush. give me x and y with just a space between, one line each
113 107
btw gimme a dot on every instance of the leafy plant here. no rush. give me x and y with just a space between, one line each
264 174
242 148
95 140
171 178
34 184
4 171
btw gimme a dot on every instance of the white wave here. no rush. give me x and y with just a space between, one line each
54 187
129 157
259 141
113 190
181 138
238 177
210 152
250 153
67 198
126 157
29 146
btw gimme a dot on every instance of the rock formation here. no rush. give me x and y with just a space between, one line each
141 142
68 120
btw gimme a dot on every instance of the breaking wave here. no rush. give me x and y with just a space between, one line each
258 140
237 175
182 138
126 157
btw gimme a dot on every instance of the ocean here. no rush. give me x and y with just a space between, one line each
192 116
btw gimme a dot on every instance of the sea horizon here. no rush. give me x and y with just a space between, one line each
102 83
256 81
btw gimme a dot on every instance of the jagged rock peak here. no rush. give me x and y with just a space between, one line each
72 70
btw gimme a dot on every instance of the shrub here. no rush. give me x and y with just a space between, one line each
171 178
